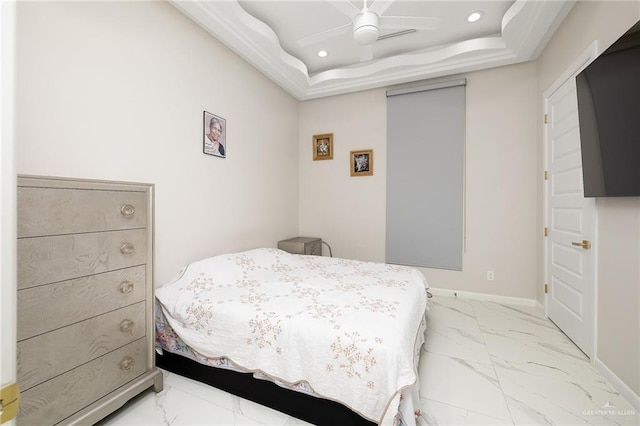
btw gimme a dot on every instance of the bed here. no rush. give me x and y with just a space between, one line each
326 340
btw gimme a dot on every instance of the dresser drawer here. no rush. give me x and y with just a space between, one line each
48 355
47 307
45 260
54 211
62 396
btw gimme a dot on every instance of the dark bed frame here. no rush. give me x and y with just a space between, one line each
302 406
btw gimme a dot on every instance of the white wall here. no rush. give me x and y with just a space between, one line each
117 90
618 245
500 217
7 199
346 212
619 288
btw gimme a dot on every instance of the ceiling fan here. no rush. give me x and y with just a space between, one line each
365 25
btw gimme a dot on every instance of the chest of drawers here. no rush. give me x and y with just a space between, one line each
85 298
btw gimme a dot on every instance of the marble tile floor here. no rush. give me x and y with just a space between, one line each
483 363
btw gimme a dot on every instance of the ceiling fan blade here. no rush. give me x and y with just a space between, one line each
396 34
346 7
324 35
367 53
415 22
380 6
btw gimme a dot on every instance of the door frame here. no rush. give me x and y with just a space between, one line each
579 64
8 286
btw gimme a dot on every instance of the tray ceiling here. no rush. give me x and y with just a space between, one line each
282 38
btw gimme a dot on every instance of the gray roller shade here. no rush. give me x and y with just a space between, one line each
425 175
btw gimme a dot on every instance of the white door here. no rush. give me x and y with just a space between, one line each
570 222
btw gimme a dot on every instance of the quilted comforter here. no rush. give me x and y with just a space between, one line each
349 329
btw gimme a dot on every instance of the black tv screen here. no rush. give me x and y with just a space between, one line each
609 116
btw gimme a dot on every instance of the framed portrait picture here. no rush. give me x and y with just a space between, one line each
323 147
215 135
362 163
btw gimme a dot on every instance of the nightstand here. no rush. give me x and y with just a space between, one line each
302 245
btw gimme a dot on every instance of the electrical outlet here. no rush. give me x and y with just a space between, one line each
490 276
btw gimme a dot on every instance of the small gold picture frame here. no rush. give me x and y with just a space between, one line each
362 163
323 147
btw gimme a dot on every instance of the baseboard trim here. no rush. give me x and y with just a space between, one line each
521 301
618 384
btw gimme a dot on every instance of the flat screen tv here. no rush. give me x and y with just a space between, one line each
609 116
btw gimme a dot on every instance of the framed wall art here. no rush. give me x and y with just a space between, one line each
362 163
215 135
323 147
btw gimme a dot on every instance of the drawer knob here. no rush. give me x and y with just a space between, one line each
127 248
128 210
126 287
127 363
126 326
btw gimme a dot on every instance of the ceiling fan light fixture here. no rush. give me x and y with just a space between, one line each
365 28
365 35
475 16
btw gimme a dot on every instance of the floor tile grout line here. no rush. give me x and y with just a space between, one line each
470 303
236 401
203 399
467 410
493 367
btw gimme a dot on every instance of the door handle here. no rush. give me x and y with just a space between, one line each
585 244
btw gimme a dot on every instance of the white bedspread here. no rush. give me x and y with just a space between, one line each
348 328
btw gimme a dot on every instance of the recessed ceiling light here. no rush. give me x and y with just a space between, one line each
475 16
323 53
